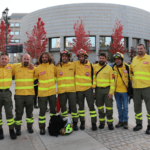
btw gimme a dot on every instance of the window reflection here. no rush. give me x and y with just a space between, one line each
105 41
55 42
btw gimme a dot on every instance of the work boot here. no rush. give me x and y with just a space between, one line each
120 124
148 129
94 127
101 126
42 131
12 134
82 126
18 132
111 127
125 125
30 130
137 127
1 134
75 127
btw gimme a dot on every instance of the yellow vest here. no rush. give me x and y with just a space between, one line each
46 77
119 85
104 78
83 79
65 78
24 80
6 76
140 68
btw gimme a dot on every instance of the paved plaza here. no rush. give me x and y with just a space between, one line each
80 140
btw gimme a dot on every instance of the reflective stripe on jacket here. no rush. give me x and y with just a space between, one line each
65 77
46 76
104 78
140 68
24 80
6 76
83 79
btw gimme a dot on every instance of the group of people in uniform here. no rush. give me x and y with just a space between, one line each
75 82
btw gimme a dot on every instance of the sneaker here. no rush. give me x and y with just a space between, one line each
125 125
120 124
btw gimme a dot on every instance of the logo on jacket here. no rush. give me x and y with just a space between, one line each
60 73
145 62
87 73
87 67
44 72
113 76
125 71
8 67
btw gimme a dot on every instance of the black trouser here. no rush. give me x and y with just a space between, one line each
36 95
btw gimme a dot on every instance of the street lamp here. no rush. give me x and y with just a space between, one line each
5 18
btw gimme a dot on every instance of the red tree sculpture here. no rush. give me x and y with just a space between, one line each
3 35
117 45
82 40
36 41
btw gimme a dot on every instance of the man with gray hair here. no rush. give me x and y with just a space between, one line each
24 93
140 69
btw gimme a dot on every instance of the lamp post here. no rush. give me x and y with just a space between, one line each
6 18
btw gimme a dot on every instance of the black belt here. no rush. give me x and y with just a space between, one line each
104 87
4 90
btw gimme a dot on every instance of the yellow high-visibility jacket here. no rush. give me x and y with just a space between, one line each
6 76
124 74
46 77
140 68
104 78
65 78
24 80
83 75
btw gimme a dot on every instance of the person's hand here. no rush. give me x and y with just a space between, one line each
31 66
57 64
109 96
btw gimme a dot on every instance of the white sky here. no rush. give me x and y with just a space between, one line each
27 6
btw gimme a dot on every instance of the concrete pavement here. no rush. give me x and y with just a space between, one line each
79 140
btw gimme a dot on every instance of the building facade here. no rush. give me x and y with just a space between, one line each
15 24
98 18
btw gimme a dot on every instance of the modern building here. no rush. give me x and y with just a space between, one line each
15 24
98 18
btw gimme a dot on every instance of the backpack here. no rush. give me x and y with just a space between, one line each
56 123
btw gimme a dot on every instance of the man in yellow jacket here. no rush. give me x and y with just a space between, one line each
140 68
121 73
45 73
5 94
24 93
83 81
104 84
65 73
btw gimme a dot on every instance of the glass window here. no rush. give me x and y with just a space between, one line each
11 24
11 32
16 24
12 41
68 41
135 42
105 41
16 32
92 41
146 42
55 42
17 41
